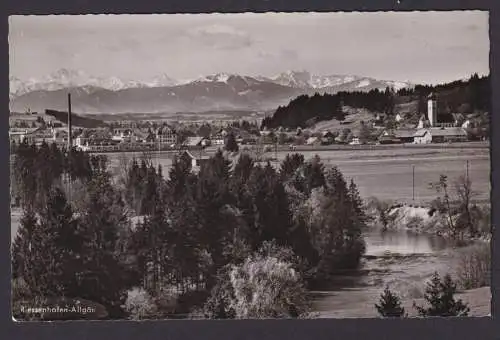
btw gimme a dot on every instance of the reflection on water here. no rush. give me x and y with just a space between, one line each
401 242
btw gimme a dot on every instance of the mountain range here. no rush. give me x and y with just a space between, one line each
163 94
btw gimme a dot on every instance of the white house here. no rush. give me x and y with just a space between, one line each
439 135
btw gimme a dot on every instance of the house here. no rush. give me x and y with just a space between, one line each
217 140
122 134
192 142
327 138
405 135
355 141
467 124
397 136
313 141
439 135
166 135
196 161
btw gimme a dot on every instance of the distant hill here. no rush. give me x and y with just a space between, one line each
76 120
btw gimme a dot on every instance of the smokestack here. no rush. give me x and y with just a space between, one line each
70 139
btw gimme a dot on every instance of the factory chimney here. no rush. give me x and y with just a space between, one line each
70 139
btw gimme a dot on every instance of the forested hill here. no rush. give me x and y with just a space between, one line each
468 96
76 120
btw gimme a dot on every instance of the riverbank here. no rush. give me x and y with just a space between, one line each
404 262
425 220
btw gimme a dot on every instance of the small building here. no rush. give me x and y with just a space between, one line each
313 141
355 141
122 134
440 135
192 142
166 135
196 161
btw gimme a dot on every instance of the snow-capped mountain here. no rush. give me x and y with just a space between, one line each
66 78
304 79
164 94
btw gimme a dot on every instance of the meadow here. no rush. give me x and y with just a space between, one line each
386 173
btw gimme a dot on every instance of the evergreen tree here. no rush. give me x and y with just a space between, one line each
314 174
231 144
22 251
290 165
101 274
243 167
44 253
440 296
390 305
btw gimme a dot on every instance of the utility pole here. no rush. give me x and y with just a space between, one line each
467 170
413 183
70 145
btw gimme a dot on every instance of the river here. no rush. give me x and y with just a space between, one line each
401 260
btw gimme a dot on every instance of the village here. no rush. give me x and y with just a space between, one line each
161 136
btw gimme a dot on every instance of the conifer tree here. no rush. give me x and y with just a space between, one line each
291 164
101 273
314 173
231 144
22 251
43 253
390 305
439 294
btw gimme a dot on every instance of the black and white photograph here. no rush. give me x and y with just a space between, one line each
250 165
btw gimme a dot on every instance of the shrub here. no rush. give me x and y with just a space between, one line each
415 223
474 267
140 305
390 305
265 285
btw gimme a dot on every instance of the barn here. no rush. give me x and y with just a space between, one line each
440 135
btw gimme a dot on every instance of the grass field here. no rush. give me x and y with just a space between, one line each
388 173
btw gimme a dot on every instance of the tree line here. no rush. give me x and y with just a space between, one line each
199 233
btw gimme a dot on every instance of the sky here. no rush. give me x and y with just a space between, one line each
420 47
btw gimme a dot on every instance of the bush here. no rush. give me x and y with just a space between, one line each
263 286
415 223
474 267
140 305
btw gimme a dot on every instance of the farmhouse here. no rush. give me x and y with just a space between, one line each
397 136
440 135
196 161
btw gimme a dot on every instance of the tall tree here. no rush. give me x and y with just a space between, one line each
231 144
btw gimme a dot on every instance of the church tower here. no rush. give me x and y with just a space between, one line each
432 109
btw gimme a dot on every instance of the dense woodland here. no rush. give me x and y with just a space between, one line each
201 241
471 96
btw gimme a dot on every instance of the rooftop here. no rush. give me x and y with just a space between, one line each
444 132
